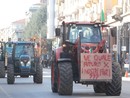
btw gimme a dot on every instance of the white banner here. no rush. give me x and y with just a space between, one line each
96 66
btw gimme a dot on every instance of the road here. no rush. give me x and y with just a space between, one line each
25 88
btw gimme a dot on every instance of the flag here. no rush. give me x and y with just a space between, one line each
102 16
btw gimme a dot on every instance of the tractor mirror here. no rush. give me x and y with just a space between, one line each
57 32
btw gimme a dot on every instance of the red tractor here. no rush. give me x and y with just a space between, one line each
82 57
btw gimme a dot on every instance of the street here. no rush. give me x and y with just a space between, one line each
25 88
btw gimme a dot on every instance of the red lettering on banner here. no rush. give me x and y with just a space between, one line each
104 72
102 57
106 64
93 73
87 58
97 64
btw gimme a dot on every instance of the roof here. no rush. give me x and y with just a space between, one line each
21 21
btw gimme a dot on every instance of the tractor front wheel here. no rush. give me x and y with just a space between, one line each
10 74
37 78
114 87
2 69
54 78
65 78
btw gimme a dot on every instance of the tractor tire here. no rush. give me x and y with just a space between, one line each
37 78
99 88
10 74
2 69
54 78
65 78
114 87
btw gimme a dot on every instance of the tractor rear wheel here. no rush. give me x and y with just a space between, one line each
65 78
2 69
99 88
10 74
54 78
114 88
37 78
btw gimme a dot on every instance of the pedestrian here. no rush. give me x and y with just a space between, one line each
127 62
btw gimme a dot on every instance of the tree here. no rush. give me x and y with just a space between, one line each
36 27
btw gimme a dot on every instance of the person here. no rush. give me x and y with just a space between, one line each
24 51
95 37
127 62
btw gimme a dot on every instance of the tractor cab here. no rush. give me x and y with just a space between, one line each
82 33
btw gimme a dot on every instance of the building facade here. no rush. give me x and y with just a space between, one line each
83 10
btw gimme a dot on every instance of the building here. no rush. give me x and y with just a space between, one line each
18 29
83 10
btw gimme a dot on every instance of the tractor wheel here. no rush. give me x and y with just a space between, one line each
2 70
99 88
34 78
65 78
114 88
10 74
37 78
54 78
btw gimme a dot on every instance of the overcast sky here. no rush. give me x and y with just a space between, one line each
12 10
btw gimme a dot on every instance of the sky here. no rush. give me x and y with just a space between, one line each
12 10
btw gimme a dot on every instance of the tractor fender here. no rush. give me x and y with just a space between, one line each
64 60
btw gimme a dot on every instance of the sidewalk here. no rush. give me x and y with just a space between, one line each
126 78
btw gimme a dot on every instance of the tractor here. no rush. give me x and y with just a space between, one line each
6 50
2 67
82 57
23 62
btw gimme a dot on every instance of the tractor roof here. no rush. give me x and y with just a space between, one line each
23 42
83 22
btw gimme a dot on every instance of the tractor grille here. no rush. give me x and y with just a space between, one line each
25 71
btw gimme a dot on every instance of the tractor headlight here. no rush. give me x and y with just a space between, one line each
64 45
28 63
22 64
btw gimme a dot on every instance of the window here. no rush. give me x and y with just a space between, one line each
88 33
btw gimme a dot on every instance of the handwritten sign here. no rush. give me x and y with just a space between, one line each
96 66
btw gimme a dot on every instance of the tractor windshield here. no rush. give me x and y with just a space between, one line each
24 49
89 33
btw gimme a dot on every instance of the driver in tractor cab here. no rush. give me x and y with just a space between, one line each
24 51
95 37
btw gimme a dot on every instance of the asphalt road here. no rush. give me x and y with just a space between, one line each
25 88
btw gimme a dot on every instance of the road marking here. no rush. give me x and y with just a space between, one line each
9 96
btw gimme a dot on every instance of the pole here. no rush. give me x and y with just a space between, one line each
118 43
51 19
